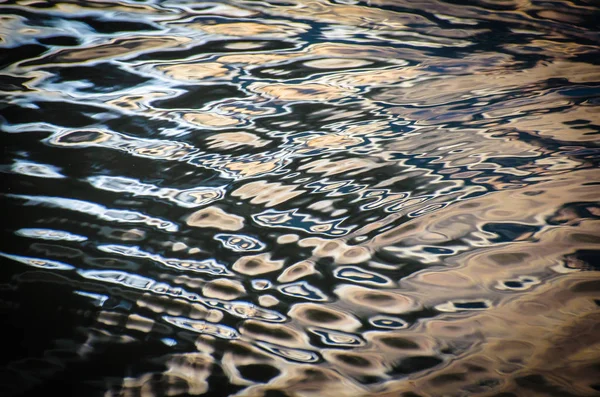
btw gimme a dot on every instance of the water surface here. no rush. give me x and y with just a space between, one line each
300 198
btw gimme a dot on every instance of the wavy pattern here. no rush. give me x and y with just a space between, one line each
300 198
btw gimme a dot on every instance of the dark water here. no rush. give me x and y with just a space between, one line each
300 198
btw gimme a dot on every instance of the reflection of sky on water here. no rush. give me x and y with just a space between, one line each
335 197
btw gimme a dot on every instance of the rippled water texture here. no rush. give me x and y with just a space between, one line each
300 198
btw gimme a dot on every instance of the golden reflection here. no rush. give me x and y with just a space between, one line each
297 271
331 141
245 29
350 167
225 289
268 194
322 316
268 300
257 264
350 14
136 102
74 8
195 71
330 198
252 168
230 140
215 217
116 49
576 124
336 249
300 92
376 300
210 119
333 63
446 89
533 334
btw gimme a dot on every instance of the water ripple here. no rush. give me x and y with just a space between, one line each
299 198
